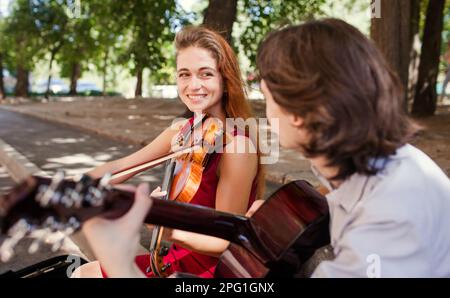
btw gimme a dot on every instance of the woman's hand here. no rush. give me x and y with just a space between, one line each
115 242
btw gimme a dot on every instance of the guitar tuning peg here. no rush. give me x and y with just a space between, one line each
94 196
74 222
17 232
34 246
66 199
76 198
104 181
59 175
20 229
77 194
58 244
49 193
50 222
57 179
72 226
6 251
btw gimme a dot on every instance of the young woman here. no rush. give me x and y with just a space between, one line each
339 105
209 81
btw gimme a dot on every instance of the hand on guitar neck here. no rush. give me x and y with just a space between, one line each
116 254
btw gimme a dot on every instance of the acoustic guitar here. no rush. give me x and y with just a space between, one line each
276 241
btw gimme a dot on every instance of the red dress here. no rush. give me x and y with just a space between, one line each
184 260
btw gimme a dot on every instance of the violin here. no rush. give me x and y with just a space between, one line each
189 168
183 176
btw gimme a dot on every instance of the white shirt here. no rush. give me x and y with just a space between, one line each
393 224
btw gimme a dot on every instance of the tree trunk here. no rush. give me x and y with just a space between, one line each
21 88
47 90
393 34
415 49
2 86
138 91
220 16
74 76
426 97
105 67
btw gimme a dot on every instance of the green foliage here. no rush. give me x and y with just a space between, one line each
79 44
138 34
262 16
150 26
22 36
51 21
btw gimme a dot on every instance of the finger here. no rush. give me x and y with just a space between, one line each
136 215
91 226
125 187
255 206
158 194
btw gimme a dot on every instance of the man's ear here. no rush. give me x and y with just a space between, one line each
296 120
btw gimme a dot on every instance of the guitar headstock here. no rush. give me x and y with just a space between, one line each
56 204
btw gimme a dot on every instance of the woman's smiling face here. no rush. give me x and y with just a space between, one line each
199 82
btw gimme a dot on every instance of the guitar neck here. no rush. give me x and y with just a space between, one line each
194 218
199 219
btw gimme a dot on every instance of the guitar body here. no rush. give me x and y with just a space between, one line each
293 224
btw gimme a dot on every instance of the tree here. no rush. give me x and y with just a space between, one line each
393 33
150 24
107 33
25 44
410 89
51 21
2 86
425 99
264 16
2 49
77 50
220 16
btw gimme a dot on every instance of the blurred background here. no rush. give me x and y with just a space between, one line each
109 47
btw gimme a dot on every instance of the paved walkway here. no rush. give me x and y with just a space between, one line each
6 182
137 122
